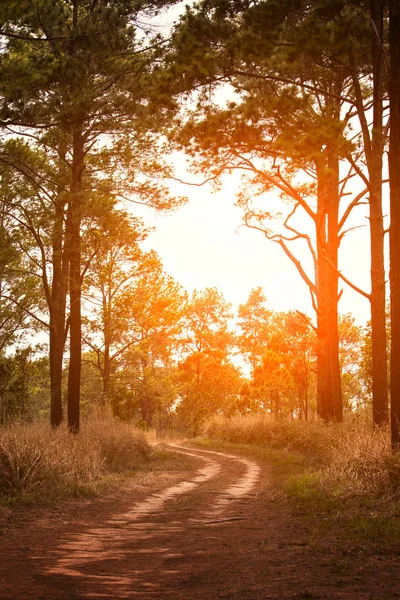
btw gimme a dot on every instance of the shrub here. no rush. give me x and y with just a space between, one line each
362 462
35 459
22 463
121 446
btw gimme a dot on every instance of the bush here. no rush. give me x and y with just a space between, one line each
122 448
22 463
362 463
36 460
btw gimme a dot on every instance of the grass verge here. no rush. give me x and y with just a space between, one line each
343 480
39 464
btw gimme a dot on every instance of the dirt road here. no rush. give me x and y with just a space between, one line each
214 532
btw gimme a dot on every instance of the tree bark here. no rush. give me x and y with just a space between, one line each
107 331
57 321
74 227
333 282
57 307
329 394
378 304
375 163
394 176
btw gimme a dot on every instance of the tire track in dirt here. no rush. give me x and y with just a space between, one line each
134 554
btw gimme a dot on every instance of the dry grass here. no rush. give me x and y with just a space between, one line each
38 461
361 462
344 460
310 439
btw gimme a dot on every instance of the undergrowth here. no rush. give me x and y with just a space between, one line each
37 462
345 460
345 478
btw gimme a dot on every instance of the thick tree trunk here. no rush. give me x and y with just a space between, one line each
57 320
378 308
333 282
328 367
58 306
329 394
74 226
394 176
375 162
324 399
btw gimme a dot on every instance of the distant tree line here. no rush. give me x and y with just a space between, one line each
163 358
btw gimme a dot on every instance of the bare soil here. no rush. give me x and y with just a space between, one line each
212 530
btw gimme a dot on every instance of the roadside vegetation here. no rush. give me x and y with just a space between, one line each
343 478
40 464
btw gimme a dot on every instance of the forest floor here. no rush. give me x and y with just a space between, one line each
213 527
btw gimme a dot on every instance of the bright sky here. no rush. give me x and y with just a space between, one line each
202 245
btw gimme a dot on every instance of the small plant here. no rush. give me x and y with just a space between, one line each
22 463
304 486
121 446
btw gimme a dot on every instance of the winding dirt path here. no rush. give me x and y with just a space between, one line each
214 532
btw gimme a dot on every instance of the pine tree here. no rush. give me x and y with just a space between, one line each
82 73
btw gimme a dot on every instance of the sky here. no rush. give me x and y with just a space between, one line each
203 244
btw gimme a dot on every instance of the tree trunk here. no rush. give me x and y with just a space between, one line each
333 282
306 402
378 307
107 343
106 373
394 176
329 395
74 226
57 307
375 162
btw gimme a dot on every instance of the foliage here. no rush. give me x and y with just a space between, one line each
17 288
207 386
350 343
254 321
15 397
280 347
154 309
114 263
209 383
